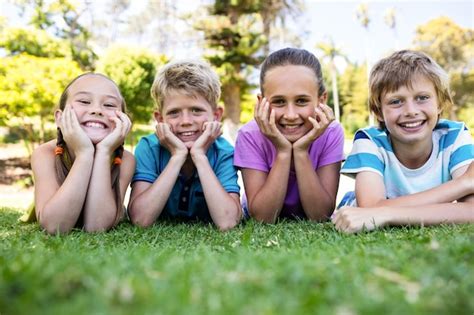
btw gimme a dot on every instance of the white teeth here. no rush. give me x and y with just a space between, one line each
94 125
412 125
188 133
291 126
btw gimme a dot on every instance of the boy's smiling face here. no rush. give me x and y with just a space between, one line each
411 112
186 115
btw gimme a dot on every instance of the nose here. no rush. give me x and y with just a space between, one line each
411 108
291 112
95 109
186 118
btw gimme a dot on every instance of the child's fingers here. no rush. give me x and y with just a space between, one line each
328 111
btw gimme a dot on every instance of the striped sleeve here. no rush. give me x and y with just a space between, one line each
462 149
365 156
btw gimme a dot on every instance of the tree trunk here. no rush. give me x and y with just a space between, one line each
231 96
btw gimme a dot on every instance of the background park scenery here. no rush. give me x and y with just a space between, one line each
290 267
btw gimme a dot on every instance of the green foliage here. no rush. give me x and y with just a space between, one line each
451 46
33 42
62 18
353 92
233 34
134 71
293 267
448 43
29 91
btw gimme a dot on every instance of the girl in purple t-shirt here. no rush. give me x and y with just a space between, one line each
291 153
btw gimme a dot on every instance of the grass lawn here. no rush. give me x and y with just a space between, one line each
287 268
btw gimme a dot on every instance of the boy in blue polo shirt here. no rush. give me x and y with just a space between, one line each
185 170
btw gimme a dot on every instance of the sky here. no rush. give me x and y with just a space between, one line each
337 20
324 20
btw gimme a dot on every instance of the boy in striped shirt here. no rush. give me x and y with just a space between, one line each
414 168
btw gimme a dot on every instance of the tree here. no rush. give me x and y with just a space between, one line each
451 46
362 14
272 11
134 71
390 19
354 98
61 18
331 52
234 39
35 42
30 87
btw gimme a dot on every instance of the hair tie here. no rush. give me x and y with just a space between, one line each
58 150
117 161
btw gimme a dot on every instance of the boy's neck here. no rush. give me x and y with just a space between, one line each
187 170
413 156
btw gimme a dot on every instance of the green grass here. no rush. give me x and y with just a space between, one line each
287 268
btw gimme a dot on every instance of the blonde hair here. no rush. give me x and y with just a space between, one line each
400 69
63 162
191 77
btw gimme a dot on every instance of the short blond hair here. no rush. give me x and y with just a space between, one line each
192 77
400 69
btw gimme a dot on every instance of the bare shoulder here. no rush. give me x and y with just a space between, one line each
128 164
128 158
43 153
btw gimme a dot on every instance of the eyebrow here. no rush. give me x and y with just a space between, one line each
89 94
296 96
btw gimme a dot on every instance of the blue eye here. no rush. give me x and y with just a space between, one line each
302 102
278 102
422 98
394 102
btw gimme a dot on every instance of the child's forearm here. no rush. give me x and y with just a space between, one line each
459 212
225 211
61 212
100 209
353 220
318 200
447 192
146 206
267 202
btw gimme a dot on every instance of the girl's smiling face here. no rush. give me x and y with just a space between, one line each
292 91
95 99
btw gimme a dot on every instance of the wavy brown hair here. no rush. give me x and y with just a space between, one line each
63 162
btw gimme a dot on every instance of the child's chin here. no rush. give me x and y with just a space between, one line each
189 144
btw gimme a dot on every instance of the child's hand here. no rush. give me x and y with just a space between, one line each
353 220
77 140
323 117
211 131
117 136
265 118
169 140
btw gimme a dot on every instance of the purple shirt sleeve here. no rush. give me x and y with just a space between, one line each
333 148
250 151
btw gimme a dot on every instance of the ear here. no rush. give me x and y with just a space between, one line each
323 98
259 97
158 117
218 112
378 115
57 116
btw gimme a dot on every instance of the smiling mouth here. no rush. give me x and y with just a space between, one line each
412 125
290 128
187 134
94 124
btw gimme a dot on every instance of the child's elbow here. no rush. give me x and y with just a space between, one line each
226 226
55 228
140 220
